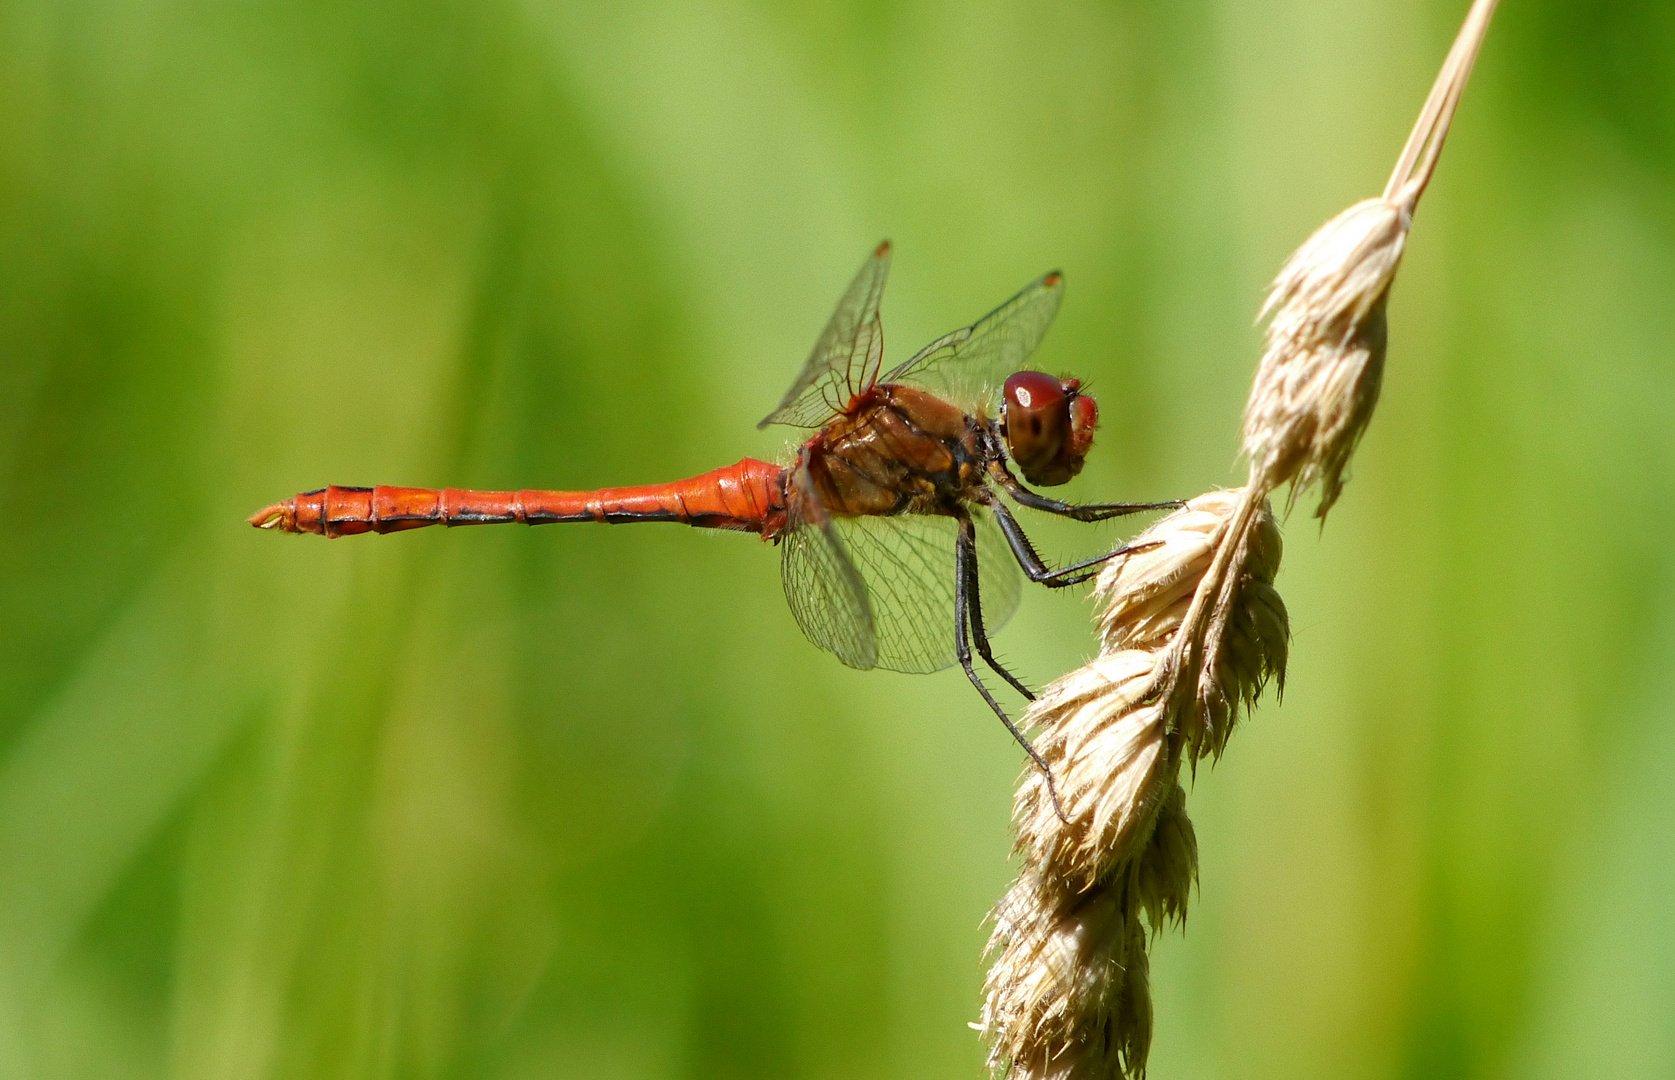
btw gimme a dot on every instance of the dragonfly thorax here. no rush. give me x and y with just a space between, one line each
896 450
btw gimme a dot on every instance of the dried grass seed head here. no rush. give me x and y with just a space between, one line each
1107 749
1147 596
1197 616
1069 994
1323 358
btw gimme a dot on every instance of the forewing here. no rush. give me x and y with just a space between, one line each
969 366
908 565
846 359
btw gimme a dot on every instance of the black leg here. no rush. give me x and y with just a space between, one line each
964 608
1092 512
1038 571
965 556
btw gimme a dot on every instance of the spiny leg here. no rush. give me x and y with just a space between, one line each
1088 513
966 560
1037 570
966 556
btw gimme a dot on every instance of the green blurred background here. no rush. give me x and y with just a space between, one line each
583 802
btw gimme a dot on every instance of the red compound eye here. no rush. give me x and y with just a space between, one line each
1037 414
1084 418
1049 426
1032 391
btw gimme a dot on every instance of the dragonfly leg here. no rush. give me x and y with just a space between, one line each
1037 570
966 558
967 613
1090 512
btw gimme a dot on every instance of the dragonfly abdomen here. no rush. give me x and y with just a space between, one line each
748 496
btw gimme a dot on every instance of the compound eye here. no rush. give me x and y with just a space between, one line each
1037 414
1084 419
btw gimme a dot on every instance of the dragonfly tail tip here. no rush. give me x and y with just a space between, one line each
281 516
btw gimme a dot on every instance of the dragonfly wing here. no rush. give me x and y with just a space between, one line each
908 565
969 366
826 593
846 359
907 562
1001 582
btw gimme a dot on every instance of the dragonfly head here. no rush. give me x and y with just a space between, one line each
1048 425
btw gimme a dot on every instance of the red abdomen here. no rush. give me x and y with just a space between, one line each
748 496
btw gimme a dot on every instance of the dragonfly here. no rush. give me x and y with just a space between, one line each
898 549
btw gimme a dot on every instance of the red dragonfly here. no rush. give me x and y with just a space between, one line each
889 507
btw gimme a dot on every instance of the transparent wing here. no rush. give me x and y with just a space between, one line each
907 562
968 367
906 566
827 596
1002 583
846 359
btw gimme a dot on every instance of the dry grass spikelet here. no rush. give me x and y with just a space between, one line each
1105 745
1147 596
1323 360
1069 995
